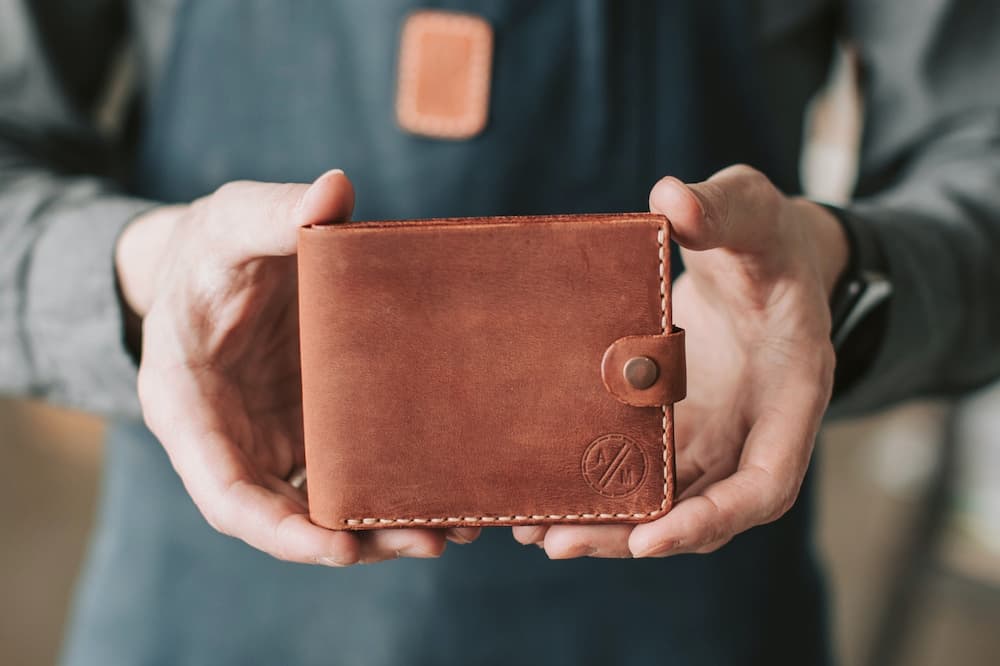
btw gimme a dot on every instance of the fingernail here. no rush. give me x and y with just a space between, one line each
383 557
457 538
572 553
657 193
415 551
330 561
331 172
660 550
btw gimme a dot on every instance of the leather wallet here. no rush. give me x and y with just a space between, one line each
488 371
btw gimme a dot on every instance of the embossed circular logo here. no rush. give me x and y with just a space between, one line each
614 465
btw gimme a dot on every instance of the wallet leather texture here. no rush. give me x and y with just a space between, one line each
488 371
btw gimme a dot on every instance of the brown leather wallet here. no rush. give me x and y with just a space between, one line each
489 371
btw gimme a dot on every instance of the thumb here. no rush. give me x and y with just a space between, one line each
734 209
262 219
329 199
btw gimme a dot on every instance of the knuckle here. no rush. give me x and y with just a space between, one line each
281 548
202 204
201 211
710 526
827 370
289 192
829 359
146 387
214 210
782 504
744 171
758 187
283 198
714 546
753 177
230 190
717 206
767 196
208 216
214 520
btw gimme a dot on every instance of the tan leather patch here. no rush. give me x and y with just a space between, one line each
444 74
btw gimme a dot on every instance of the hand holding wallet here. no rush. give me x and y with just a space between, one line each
489 371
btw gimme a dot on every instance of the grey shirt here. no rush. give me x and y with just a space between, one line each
928 189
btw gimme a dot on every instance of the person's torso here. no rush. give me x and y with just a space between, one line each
590 103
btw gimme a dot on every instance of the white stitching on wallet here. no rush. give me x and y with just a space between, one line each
660 237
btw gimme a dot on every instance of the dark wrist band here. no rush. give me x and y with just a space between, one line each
858 305
865 249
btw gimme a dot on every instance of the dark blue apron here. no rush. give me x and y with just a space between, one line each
591 102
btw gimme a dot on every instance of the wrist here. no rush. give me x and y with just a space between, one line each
831 244
137 256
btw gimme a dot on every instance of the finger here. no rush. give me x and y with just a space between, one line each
241 512
217 476
262 219
697 470
462 535
278 526
712 547
764 487
569 541
529 534
393 543
724 211
329 199
283 487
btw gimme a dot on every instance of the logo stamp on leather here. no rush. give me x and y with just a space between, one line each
614 465
445 62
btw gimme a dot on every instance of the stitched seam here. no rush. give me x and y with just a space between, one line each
660 239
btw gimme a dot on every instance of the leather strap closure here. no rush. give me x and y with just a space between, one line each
646 370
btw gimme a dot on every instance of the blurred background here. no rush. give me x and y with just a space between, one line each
910 499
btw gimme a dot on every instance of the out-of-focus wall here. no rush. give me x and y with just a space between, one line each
49 466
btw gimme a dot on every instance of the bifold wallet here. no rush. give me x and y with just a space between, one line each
488 371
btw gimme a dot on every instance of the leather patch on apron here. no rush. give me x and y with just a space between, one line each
445 60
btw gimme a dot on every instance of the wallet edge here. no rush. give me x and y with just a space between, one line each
577 517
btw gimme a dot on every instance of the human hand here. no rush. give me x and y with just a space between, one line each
219 380
754 300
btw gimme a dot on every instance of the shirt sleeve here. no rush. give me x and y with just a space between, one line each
61 208
928 193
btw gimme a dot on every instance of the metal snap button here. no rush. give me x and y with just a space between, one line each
641 372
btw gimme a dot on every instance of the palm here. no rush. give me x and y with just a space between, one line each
235 362
711 422
742 359
257 373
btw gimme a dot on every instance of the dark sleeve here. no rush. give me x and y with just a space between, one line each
928 194
61 207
